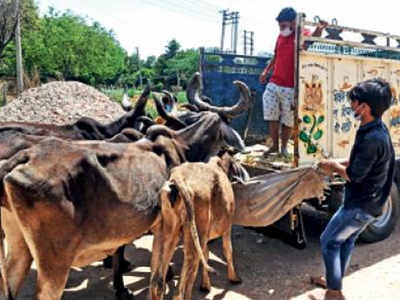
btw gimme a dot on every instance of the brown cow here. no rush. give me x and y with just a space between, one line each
199 199
72 203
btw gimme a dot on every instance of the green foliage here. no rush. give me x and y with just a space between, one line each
181 97
63 44
66 46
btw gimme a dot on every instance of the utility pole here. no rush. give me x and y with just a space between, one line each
236 30
248 41
230 18
245 42
224 18
251 43
20 71
140 70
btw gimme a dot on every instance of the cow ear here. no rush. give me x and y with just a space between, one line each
171 160
225 163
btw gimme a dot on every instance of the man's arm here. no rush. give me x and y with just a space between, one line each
333 166
343 162
264 74
341 170
360 167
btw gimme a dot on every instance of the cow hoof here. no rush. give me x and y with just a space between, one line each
170 274
123 294
235 281
205 289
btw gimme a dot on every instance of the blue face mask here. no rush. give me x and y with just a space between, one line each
168 107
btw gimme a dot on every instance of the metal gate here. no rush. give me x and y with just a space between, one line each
219 70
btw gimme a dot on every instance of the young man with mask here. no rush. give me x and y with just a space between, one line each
368 174
279 92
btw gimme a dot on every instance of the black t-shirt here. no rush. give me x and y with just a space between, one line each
371 169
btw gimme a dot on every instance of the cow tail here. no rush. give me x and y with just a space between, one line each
187 197
3 272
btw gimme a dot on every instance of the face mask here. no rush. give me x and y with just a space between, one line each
286 32
168 107
358 112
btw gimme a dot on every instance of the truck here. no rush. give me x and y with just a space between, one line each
325 71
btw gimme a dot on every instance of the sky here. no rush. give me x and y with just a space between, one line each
150 24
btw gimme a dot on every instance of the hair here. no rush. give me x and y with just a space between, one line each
374 92
288 14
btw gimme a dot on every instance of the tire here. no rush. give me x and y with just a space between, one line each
385 224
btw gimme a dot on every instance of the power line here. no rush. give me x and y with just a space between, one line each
178 8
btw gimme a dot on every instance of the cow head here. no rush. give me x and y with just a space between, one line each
233 169
200 106
168 144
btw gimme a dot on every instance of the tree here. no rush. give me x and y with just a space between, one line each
172 49
183 65
9 10
93 54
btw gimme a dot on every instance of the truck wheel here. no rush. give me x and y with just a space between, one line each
384 225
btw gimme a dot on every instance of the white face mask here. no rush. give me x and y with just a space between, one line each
286 32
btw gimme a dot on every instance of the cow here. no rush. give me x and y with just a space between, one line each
197 199
67 203
200 104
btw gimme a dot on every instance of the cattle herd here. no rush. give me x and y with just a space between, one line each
71 195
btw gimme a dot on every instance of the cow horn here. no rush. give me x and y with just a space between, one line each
138 109
154 131
169 95
190 107
193 94
146 120
175 122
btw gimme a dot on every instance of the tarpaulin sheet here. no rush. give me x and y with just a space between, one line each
264 199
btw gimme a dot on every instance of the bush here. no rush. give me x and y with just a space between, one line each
158 87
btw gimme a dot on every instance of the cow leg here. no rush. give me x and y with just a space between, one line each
227 245
191 273
188 258
19 259
51 278
166 238
204 233
124 264
121 292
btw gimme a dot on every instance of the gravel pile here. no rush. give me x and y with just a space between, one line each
61 103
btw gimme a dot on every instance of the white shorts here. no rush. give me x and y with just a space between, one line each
278 104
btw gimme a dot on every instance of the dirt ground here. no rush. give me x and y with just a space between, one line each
269 268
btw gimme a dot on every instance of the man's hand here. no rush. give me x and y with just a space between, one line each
326 166
263 77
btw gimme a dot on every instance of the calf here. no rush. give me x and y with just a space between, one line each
198 199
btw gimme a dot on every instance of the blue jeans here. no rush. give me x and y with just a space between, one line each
337 242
